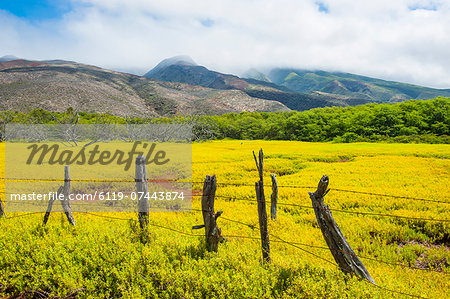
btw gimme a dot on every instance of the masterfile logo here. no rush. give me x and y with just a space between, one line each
103 165
53 154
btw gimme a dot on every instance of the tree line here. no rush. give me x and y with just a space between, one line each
411 121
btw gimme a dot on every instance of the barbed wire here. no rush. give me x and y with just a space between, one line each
22 215
251 226
387 195
335 189
339 210
90 180
219 184
87 203
345 270
327 248
293 244
286 242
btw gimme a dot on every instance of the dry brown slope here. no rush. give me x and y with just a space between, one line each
58 86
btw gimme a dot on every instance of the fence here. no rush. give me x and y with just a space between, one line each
345 258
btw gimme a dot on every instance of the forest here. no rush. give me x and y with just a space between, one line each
414 121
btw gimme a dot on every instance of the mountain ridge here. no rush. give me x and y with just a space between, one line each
178 85
57 86
202 76
348 84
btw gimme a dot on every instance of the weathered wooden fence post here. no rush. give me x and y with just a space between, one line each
66 191
50 205
343 254
262 213
2 209
274 197
142 191
212 231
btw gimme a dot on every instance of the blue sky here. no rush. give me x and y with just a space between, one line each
402 40
36 10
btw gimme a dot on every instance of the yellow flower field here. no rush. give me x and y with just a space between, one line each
104 256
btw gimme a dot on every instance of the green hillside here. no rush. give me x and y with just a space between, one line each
351 85
182 70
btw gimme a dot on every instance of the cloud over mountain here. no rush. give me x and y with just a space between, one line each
405 40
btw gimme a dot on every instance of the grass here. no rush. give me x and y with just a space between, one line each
103 257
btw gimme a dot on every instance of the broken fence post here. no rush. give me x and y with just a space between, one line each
262 213
274 197
212 231
66 191
50 205
343 254
142 191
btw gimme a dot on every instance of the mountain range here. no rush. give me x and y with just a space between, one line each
57 85
351 85
179 86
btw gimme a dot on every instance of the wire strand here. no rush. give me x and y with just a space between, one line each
220 184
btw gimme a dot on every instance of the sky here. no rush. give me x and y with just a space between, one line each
401 40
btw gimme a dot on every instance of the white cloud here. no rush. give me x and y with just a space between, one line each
404 40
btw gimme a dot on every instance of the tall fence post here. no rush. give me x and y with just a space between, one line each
343 254
274 197
212 231
50 204
2 209
66 191
262 213
142 191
